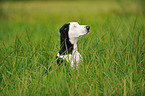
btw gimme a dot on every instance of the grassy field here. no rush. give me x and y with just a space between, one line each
113 52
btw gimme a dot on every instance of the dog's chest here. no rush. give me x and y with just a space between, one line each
73 58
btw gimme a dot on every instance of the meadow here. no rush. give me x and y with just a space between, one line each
113 52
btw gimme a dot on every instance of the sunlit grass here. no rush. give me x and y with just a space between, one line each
113 51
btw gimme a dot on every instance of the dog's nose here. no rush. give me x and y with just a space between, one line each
88 28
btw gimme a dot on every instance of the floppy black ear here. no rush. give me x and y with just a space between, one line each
64 29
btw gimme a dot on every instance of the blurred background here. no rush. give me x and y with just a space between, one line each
32 10
51 14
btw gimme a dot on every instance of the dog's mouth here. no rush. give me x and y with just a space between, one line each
84 34
87 32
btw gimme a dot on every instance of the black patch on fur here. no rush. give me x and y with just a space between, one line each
66 46
59 60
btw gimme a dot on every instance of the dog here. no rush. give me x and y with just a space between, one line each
69 35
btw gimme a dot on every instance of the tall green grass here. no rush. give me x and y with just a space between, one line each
113 51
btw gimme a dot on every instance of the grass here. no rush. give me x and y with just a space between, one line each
113 51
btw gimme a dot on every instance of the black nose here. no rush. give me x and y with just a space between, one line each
88 28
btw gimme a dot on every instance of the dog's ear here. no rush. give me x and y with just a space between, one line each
64 29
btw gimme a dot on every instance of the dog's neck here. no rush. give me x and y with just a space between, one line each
68 46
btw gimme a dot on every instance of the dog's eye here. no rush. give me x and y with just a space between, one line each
74 26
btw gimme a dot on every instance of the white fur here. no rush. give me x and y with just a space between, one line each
73 58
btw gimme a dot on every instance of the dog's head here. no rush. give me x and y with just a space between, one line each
73 31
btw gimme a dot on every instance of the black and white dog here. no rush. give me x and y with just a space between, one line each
69 35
